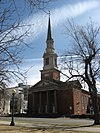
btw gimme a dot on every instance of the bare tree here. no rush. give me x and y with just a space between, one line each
82 61
11 42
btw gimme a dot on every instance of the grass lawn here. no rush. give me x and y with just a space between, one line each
20 129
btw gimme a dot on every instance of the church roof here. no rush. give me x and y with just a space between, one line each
73 84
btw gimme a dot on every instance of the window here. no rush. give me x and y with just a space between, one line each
56 62
47 61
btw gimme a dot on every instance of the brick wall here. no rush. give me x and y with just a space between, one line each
64 99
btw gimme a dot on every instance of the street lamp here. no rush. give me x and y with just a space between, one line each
12 109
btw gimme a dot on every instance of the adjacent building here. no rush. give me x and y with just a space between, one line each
20 99
51 96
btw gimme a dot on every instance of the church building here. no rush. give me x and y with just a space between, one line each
51 96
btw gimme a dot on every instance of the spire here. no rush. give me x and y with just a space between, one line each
49 41
49 35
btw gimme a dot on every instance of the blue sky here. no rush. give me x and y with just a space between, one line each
80 10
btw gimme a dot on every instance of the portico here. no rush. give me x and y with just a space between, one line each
44 102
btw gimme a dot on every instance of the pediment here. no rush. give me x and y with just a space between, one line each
42 83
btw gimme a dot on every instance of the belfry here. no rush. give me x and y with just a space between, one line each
50 96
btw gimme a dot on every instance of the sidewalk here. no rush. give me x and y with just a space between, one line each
91 129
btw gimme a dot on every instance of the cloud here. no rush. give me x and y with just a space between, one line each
58 16
32 68
73 10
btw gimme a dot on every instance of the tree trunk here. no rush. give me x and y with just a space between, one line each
96 112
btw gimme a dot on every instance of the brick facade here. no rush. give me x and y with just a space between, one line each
47 98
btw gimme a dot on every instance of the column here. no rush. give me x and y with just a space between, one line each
47 102
55 102
33 103
39 102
